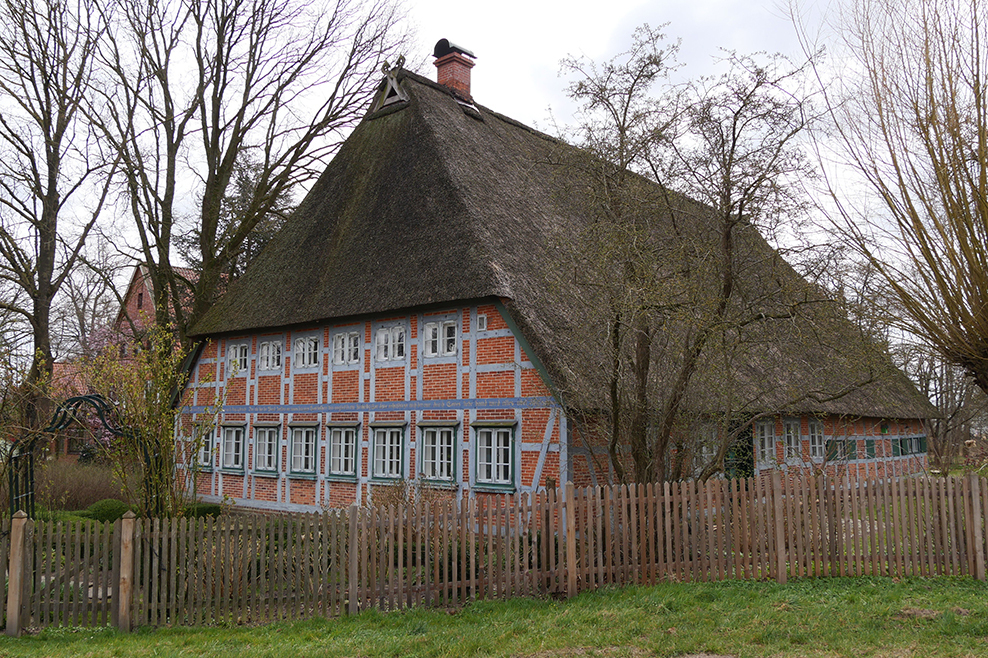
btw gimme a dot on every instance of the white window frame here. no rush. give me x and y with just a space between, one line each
343 451
764 432
346 348
306 352
233 447
437 452
792 438
305 444
238 359
495 457
388 453
389 343
817 442
481 322
440 338
204 456
269 355
267 441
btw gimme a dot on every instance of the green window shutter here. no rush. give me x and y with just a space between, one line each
870 447
852 449
922 444
831 451
896 448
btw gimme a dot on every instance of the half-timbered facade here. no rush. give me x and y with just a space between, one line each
400 330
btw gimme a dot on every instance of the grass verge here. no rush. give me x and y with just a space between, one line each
834 617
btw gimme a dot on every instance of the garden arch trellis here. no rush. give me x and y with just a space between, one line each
20 470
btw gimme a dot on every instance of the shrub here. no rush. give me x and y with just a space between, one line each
202 510
110 509
64 485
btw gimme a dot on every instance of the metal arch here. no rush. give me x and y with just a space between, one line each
21 467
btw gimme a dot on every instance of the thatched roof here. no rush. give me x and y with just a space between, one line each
434 201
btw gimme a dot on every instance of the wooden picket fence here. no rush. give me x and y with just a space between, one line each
156 572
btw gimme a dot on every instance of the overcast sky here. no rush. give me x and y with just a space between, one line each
519 43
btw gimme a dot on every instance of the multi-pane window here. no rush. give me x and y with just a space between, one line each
765 442
237 357
204 457
306 352
269 355
440 338
266 448
342 448
233 447
816 438
304 449
346 348
790 429
837 449
390 343
494 456
437 453
388 452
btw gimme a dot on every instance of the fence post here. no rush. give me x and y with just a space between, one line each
126 583
354 555
15 581
570 530
781 550
977 521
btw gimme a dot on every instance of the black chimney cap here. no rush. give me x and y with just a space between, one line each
444 47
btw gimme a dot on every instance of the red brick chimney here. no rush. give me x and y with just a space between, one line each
453 65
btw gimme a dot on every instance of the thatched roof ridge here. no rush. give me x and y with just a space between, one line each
436 201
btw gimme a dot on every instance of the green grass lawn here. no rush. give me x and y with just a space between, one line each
835 617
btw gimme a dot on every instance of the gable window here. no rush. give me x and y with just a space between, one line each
790 429
816 439
390 343
437 453
481 323
440 338
346 348
233 447
765 442
140 300
388 452
306 352
269 355
342 451
266 448
304 450
237 357
494 451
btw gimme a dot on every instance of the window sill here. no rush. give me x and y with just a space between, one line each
494 488
380 479
265 474
232 471
341 477
449 485
302 476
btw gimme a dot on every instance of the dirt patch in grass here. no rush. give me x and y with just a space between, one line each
917 613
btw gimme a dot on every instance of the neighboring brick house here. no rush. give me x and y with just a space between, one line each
137 309
399 328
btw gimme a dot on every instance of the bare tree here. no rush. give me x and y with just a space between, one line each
909 114
52 174
680 184
200 86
